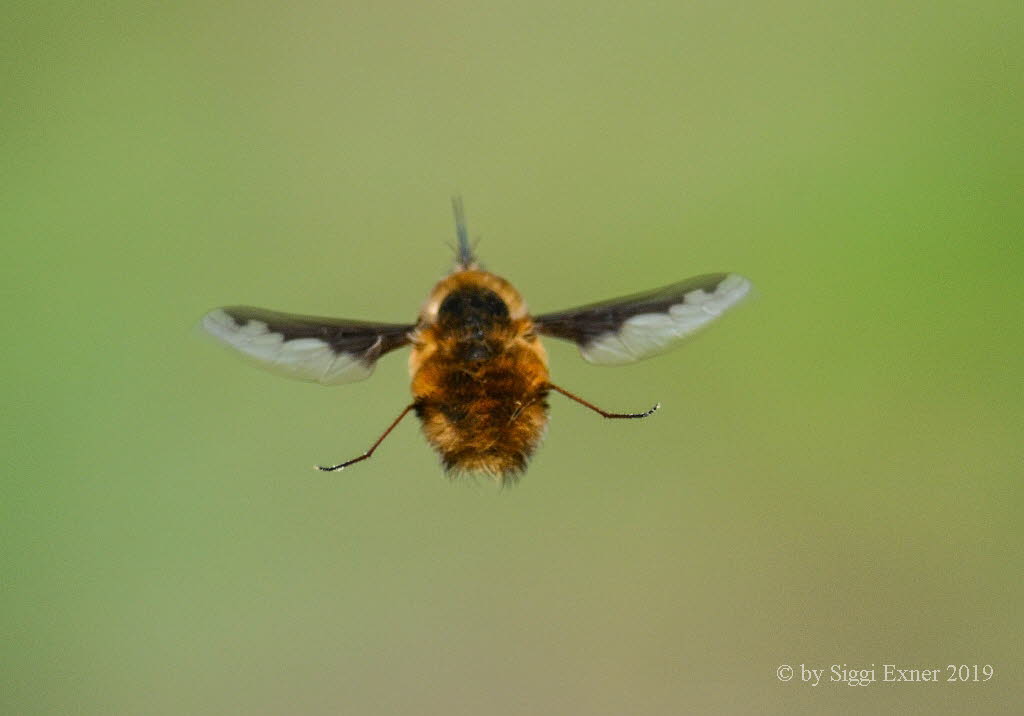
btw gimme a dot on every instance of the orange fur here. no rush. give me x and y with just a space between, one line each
480 415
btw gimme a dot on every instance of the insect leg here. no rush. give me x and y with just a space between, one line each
373 447
602 413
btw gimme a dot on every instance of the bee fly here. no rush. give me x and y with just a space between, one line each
480 378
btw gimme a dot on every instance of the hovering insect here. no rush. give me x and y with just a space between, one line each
480 378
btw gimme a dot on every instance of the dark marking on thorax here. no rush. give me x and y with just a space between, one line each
476 318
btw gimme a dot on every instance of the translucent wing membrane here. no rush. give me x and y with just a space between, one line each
631 328
323 350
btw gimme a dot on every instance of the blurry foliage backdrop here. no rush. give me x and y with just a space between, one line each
834 476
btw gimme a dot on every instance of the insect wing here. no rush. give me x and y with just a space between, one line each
329 351
631 328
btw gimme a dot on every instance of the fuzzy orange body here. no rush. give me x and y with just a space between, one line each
479 375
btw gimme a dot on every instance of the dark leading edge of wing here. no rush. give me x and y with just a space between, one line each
627 329
313 348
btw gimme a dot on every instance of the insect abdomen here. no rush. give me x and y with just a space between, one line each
485 417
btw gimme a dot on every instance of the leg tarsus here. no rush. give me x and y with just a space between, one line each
342 466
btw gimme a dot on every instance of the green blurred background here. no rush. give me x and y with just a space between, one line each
834 477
